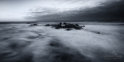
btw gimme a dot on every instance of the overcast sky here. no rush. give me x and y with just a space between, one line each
60 10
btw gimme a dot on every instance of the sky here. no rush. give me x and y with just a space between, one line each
61 10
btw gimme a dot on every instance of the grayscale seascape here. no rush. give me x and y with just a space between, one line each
25 43
61 30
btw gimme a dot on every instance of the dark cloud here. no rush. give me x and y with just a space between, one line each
62 10
111 12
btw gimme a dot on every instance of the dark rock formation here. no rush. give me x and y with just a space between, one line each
67 26
34 24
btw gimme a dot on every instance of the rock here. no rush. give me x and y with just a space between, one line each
67 26
34 24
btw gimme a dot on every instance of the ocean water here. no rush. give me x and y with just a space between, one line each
94 43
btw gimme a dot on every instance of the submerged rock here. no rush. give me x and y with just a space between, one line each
67 26
34 24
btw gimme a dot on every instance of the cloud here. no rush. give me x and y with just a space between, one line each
102 11
29 10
